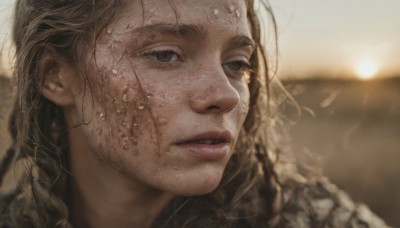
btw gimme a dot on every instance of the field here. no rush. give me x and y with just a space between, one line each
352 127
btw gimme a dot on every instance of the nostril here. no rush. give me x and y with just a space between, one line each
213 108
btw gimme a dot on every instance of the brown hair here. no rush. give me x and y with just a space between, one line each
248 193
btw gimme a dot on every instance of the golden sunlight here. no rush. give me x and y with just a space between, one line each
366 69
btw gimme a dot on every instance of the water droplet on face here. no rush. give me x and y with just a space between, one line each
115 72
135 125
163 121
216 12
149 95
231 8
124 97
124 123
237 13
140 106
101 115
109 31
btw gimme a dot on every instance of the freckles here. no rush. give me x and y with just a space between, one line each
130 112
244 103
243 110
104 81
101 115
110 39
118 113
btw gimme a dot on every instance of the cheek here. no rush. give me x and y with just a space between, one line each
244 101
120 123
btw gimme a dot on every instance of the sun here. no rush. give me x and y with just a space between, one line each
366 69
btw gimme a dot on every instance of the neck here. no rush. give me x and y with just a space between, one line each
101 196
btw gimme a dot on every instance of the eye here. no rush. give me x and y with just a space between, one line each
165 56
237 67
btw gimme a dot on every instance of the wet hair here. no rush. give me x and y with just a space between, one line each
248 195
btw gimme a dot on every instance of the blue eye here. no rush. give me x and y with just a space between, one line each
164 56
237 67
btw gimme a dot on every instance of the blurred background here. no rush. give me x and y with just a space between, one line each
341 61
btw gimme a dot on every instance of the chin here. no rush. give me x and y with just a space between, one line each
198 184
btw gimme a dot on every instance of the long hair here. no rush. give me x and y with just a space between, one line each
248 195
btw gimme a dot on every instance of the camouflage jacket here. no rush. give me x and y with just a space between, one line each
322 204
306 204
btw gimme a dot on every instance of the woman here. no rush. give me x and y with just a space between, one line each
150 113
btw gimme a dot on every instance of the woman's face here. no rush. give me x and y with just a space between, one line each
168 92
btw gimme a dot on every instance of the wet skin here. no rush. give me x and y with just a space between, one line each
167 101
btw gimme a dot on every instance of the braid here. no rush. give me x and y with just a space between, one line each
34 203
10 152
5 199
37 126
37 202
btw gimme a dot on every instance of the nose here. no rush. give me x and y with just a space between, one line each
213 93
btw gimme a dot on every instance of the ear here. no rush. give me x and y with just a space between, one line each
58 78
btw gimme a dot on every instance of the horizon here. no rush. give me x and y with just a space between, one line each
340 38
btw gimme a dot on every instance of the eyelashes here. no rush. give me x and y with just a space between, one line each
238 67
163 56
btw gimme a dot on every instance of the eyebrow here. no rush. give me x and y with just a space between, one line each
242 41
191 31
183 30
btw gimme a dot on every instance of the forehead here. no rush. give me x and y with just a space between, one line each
223 15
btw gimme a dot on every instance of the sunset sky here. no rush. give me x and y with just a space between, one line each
324 37
333 37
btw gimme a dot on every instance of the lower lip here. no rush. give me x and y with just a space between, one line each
206 151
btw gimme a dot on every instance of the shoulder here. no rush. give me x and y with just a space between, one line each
322 204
